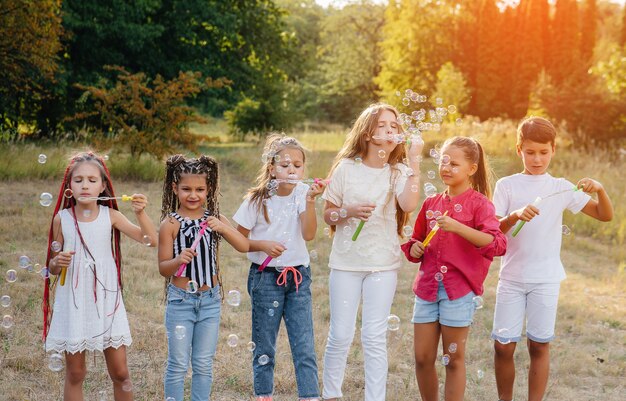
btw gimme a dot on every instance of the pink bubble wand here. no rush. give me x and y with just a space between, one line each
203 228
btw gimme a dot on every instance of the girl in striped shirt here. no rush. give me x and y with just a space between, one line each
189 236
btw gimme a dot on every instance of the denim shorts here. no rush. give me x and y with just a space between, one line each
457 313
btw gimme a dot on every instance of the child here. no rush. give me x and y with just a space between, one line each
278 215
531 269
454 264
84 249
370 184
193 286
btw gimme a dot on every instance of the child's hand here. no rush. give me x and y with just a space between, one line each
417 250
139 202
215 224
63 259
527 213
447 223
273 248
589 185
361 212
186 256
316 189
415 150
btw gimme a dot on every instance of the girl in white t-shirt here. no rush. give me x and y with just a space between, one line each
278 216
369 183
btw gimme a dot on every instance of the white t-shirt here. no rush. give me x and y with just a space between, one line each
533 256
284 227
378 247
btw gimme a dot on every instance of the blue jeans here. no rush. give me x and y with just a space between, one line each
192 322
270 304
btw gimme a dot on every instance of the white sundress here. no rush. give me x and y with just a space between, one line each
88 317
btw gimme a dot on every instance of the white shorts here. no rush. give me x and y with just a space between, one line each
534 302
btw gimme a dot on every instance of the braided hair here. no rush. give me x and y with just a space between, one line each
175 167
65 200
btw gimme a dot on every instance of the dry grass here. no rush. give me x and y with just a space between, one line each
588 358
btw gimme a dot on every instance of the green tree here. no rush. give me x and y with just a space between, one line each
452 88
29 43
565 45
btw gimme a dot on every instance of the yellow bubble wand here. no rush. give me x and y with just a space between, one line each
432 233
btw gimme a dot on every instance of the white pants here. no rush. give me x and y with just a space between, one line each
346 289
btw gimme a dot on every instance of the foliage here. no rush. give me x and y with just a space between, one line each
452 87
142 114
248 116
29 43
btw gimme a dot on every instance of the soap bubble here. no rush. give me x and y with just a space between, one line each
452 348
233 298
430 214
326 231
270 312
7 321
406 101
393 323
313 254
503 336
42 159
334 216
478 302
358 161
127 386
382 154
11 276
459 122
347 230
445 359
44 273
232 340
146 240
445 160
407 231
438 276
55 362
251 346
343 213
414 188
192 287
24 261
565 230
45 199
433 153
275 304
55 246
5 301
432 224
443 269
68 193
87 213
264 359
431 174
105 157
180 332
458 208
437 213
452 109
480 374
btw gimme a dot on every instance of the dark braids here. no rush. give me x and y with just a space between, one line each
175 167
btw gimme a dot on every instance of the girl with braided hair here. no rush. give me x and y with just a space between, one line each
189 235
278 215
84 254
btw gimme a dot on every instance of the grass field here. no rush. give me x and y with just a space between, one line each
588 358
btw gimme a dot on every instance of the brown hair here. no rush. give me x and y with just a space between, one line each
536 129
355 145
274 144
481 179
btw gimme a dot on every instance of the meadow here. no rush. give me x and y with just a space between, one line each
588 357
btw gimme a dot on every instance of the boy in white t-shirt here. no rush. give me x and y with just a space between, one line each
531 269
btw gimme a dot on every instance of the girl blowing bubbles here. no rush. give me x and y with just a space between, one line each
278 215
454 264
368 183
84 247
192 314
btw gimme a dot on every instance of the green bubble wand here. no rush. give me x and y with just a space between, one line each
536 203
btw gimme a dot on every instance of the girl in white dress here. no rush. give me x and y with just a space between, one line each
84 254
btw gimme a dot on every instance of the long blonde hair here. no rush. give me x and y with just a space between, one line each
355 145
274 144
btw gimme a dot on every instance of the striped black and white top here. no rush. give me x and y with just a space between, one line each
204 265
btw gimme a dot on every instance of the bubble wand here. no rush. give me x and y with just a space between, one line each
536 203
432 233
123 198
203 228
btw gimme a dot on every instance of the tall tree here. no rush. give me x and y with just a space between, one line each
565 45
29 43
488 56
589 31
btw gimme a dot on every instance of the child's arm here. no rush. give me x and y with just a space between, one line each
168 264
408 199
414 249
145 228
526 213
61 259
271 248
223 227
308 219
361 212
601 209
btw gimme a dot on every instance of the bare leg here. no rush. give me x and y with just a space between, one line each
539 369
504 365
425 342
118 371
75 372
455 370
